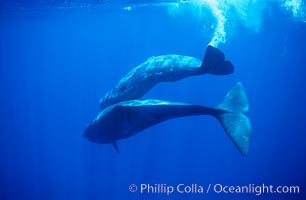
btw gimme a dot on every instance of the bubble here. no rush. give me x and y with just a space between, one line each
296 8
229 14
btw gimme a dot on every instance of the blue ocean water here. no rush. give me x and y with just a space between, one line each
58 58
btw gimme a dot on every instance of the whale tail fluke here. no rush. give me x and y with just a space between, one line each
214 62
235 123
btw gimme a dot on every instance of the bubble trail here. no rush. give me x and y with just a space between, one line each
197 7
230 14
219 35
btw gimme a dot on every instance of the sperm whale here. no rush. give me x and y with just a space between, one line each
165 68
125 119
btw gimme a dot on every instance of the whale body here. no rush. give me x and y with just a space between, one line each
165 68
125 119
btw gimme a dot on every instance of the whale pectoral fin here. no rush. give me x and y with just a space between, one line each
214 62
116 147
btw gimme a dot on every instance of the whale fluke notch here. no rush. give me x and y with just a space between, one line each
214 62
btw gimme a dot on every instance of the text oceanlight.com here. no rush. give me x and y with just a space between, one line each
213 188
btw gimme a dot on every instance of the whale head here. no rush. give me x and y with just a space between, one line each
108 127
93 133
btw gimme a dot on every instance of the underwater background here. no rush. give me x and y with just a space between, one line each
58 58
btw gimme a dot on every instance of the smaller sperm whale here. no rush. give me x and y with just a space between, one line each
125 119
165 68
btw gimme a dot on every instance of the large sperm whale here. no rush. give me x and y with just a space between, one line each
166 68
125 119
